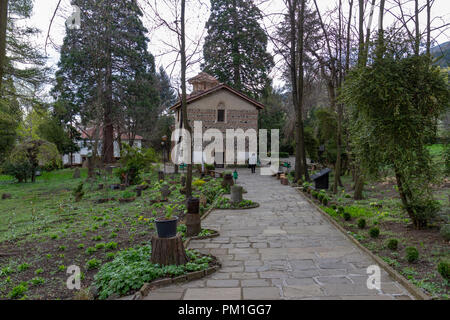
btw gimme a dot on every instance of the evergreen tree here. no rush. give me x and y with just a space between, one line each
235 49
167 94
22 70
106 75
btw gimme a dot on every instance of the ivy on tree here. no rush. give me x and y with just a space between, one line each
398 100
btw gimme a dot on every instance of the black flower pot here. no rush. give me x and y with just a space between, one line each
166 228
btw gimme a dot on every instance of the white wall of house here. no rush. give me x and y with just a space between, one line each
85 150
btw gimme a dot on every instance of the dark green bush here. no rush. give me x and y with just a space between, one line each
320 196
412 254
362 223
341 210
392 244
374 232
347 216
444 269
325 200
333 206
315 194
445 232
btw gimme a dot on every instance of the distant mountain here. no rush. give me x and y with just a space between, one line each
442 51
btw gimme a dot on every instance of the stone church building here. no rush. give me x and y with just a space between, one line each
218 106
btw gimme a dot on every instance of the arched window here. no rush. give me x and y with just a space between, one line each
221 113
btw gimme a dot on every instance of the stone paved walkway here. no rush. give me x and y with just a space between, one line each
283 250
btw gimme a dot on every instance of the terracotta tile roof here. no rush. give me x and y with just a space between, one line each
88 133
203 77
196 96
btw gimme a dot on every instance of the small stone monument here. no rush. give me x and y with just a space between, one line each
77 173
236 194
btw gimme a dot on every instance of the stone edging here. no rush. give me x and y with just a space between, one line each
416 292
147 287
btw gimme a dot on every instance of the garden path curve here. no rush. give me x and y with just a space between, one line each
284 249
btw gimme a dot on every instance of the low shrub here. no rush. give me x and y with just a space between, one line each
315 194
325 200
347 216
412 254
374 232
18 291
93 264
362 223
445 232
392 244
333 206
444 269
341 210
198 183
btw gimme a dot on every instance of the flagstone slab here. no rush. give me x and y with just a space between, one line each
285 249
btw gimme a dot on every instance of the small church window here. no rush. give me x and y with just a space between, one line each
220 115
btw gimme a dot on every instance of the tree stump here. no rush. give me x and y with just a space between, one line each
168 251
193 221
193 224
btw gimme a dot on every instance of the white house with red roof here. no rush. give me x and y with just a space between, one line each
88 140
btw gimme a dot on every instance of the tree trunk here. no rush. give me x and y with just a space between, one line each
184 96
361 32
428 27
359 187
338 165
405 196
168 251
416 20
301 133
3 24
235 50
292 5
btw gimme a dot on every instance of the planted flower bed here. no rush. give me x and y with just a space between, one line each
131 269
225 203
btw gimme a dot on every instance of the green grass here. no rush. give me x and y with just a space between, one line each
46 208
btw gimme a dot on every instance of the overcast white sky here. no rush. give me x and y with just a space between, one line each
161 39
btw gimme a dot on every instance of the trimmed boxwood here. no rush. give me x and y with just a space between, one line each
347 216
362 223
412 254
374 232
392 244
444 269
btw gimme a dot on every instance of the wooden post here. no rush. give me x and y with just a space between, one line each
168 251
